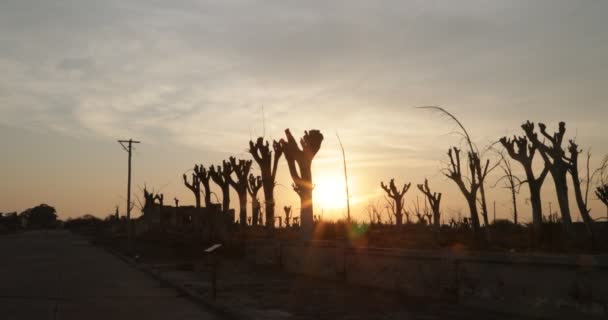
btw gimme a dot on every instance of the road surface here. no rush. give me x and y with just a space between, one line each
56 275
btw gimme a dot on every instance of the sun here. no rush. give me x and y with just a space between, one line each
329 192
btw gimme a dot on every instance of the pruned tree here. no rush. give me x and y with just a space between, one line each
253 187
203 177
423 215
602 193
220 176
479 171
287 210
268 162
523 152
397 196
434 201
195 187
558 164
511 182
581 200
241 169
469 186
302 174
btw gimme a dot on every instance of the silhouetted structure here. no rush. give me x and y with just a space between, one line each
397 196
240 185
253 187
523 152
221 177
261 153
454 172
302 175
287 210
434 200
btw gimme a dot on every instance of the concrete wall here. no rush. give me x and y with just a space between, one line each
556 286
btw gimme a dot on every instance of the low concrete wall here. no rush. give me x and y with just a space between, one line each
556 286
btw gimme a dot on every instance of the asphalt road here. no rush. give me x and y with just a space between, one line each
56 275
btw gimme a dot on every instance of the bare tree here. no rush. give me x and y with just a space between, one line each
523 152
302 175
255 183
454 172
241 169
204 176
195 187
559 166
263 156
397 196
434 200
481 174
220 176
581 200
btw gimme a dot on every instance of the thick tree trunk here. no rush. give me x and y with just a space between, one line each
255 211
243 207
197 198
478 235
537 212
226 198
582 207
268 187
561 190
398 213
306 213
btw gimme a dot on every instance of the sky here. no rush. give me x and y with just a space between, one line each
195 80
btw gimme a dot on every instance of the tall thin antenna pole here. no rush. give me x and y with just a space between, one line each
129 149
345 178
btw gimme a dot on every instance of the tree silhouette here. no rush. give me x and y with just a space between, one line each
434 200
241 169
397 196
220 176
302 175
41 216
263 156
253 187
581 201
602 193
523 152
553 156
195 187
454 173
203 177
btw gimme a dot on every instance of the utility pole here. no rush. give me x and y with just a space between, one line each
129 148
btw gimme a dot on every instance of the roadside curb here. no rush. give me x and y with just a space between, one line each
218 308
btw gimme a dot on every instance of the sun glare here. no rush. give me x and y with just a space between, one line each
329 192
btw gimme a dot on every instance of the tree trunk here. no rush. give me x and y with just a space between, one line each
225 197
255 211
478 235
398 213
197 198
243 207
582 206
269 198
561 190
306 213
514 199
537 212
